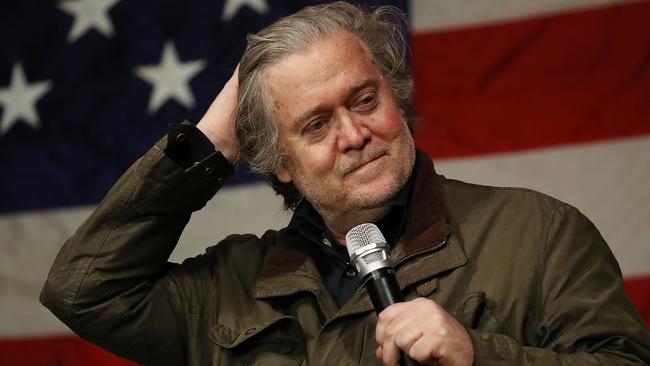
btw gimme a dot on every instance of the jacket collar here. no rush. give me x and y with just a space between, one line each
288 268
427 215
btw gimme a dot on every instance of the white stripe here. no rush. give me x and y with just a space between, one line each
607 181
429 15
248 209
30 243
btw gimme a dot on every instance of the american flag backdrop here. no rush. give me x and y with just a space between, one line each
552 95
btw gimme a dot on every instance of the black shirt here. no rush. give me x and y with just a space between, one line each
332 258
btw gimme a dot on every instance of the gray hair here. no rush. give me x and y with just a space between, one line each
256 127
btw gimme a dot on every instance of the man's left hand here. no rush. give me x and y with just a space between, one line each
425 331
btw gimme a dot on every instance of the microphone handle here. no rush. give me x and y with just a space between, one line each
384 291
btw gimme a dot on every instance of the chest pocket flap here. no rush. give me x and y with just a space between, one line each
474 313
280 339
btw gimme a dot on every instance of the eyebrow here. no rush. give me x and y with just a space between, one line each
322 108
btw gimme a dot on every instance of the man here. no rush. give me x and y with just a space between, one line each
320 105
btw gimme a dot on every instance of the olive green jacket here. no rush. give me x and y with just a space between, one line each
529 277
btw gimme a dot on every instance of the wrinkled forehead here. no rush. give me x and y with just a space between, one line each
319 75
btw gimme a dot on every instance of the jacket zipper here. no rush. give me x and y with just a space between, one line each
397 264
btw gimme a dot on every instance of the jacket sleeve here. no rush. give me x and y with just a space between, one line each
110 282
584 315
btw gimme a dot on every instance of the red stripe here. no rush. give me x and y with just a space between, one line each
639 290
556 80
56 351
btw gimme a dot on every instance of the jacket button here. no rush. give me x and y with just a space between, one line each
181 137
208 171
249 331
351 272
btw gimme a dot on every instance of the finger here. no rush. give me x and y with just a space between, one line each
391 322
402 311
385 319
379 353
406 337
390 351
390 354
423 351
380 331
393 310
402 328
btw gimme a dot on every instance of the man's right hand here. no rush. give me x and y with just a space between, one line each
218 123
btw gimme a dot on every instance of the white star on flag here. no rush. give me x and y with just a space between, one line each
231 7
89 14
170 79
19 100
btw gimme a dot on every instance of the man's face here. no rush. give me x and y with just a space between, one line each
347 143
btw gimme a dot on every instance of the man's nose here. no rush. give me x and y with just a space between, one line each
352 132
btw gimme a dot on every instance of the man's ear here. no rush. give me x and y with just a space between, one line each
283 175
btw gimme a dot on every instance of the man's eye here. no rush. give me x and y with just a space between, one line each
315 126
367 102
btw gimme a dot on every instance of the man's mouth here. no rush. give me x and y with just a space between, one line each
365 162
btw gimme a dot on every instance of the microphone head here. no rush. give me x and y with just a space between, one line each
367 248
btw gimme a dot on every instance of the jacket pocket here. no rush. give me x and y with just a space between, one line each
277 342
474 313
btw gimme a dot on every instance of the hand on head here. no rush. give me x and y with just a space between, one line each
218 123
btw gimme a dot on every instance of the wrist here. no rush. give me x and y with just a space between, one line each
227 147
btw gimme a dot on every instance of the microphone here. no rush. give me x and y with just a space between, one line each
369 253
